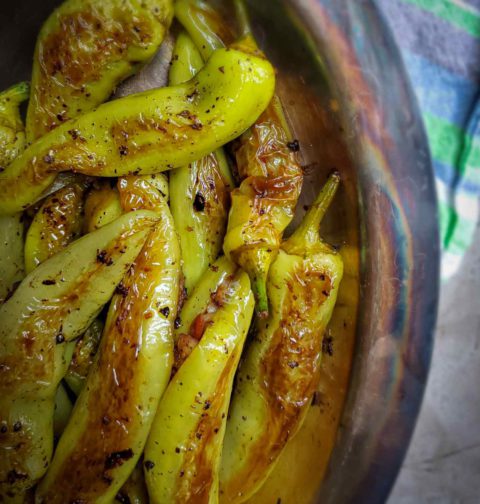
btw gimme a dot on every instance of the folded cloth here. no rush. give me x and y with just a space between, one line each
440 44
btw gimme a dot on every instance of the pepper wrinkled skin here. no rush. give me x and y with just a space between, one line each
84 49
12 142
56 224
280 373
271 176
200 191
113 414
83 356
52 306
182 455
149 132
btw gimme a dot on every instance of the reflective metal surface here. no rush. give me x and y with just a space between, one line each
351 107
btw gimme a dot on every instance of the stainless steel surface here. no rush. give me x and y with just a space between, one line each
353 110
443 463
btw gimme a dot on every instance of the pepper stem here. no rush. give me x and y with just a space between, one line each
308 233
243 19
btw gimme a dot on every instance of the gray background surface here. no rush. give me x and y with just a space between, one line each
443 461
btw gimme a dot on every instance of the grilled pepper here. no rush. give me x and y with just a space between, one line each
276 382
53 305
113 414
102 206
135 490
264 204
84 49
56 224
200 191
149 132
12 140
207 28
83 356
182 455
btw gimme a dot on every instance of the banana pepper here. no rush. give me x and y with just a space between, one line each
84 49
147 133
113 414
280 373
271 176
56 224
53 305
182 455
200 191
12 141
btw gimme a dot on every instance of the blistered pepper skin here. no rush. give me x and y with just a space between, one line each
200 191
84 49
147 133
12 142
53 305
271 176
108 429
182 455
280 373
57 223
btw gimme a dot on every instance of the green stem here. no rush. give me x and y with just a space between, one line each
308 232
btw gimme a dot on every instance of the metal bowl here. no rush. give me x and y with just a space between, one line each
351 107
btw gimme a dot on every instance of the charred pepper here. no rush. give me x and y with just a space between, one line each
182 455
271 176
200 191
52 306
280 373
147 133
84 49
56 224
113 414
12 142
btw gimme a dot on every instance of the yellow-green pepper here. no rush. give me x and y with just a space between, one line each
53 305
84 49
83 356
200 191
147 133
113 414
102 206
182 455
205 25
63 410
12 141
134 491
280 373
57 223
271 176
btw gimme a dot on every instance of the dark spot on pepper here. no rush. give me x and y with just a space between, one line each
121 289
222 69
17 426
177 450
165 311
3 429
327 345
73 133
149 465
107 479
177 323
13 476
207 405
123 150
199 202
106 420
116 459
293 364
60 338
294 145
49 159
49 282
102 257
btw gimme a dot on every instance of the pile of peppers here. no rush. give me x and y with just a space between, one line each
160 339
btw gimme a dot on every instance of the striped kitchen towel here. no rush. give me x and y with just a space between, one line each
440 44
